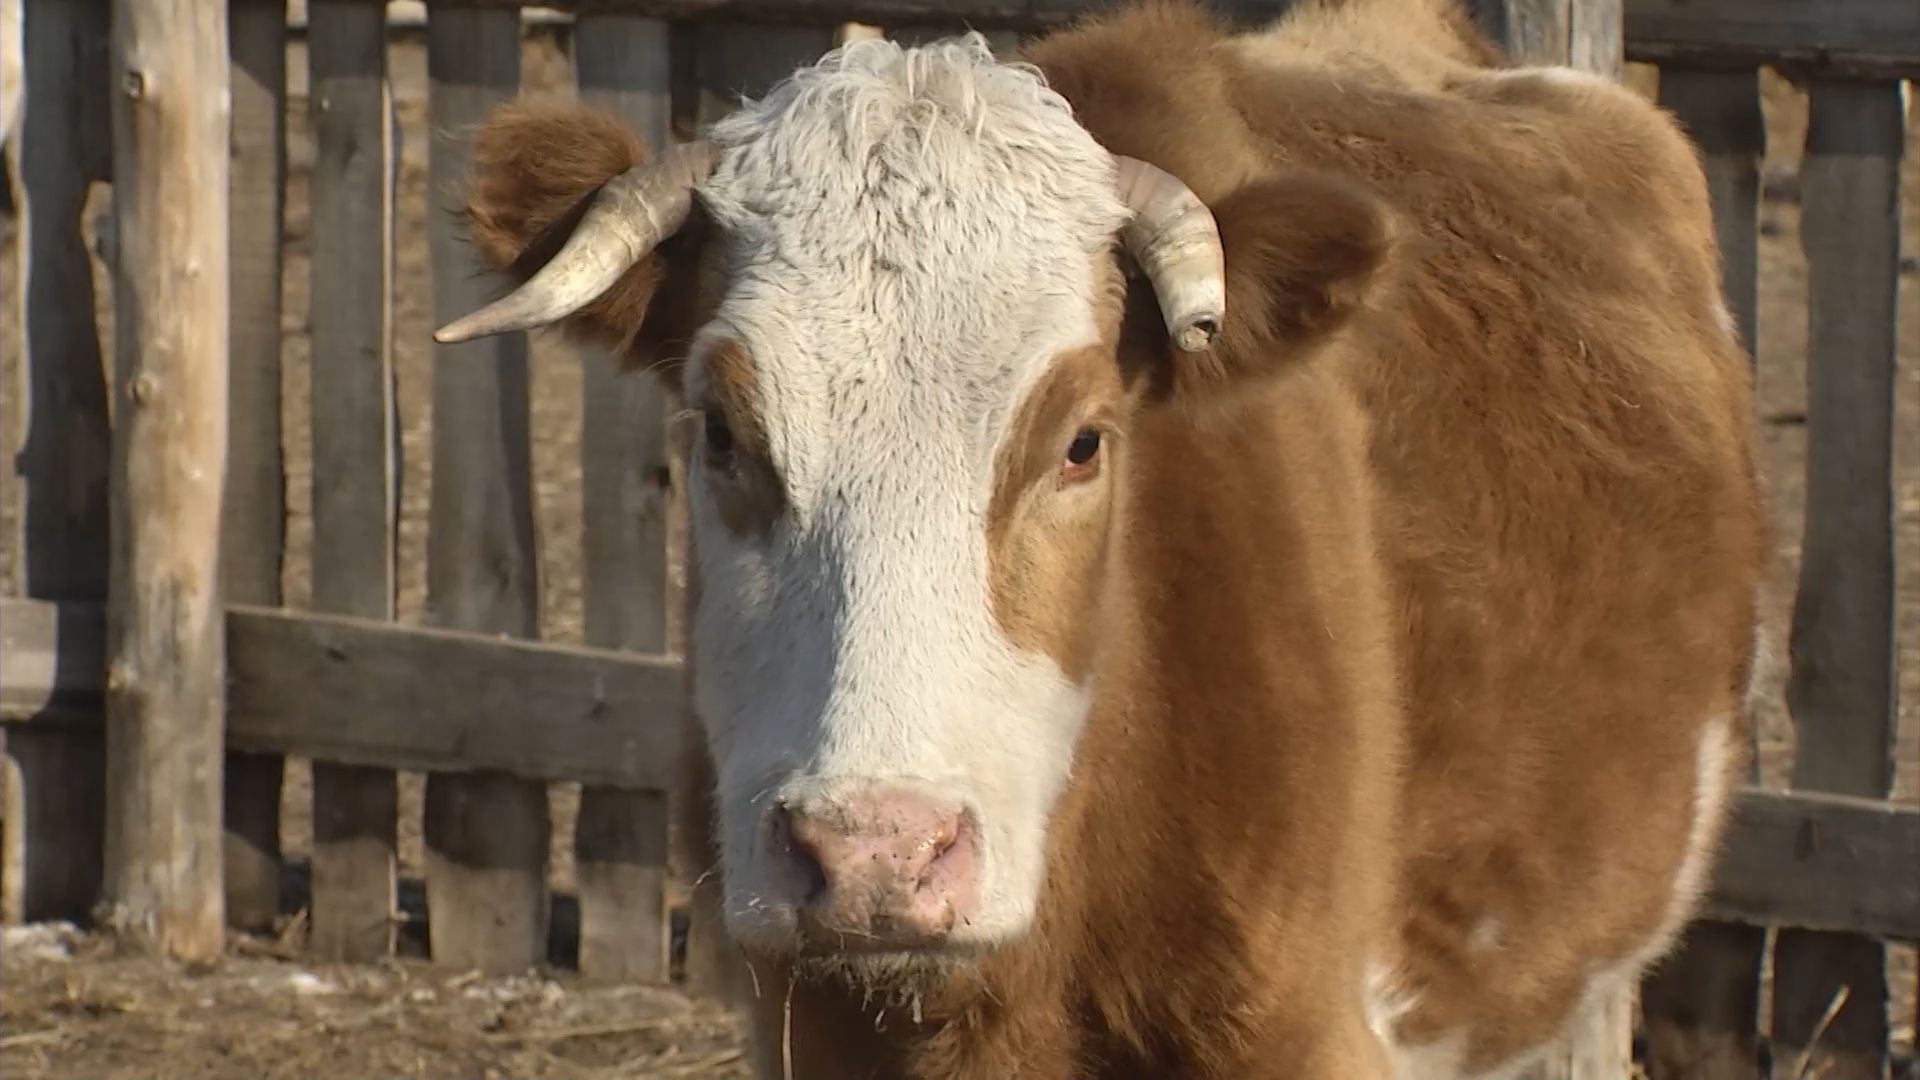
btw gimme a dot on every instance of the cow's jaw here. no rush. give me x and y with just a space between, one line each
913 239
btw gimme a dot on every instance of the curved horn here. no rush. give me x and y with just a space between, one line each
1173 236
629 216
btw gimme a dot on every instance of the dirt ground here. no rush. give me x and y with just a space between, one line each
73 1006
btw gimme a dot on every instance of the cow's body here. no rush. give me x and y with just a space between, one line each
1415 636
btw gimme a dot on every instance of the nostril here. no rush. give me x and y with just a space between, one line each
800 856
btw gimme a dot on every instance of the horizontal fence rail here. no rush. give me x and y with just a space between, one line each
324 686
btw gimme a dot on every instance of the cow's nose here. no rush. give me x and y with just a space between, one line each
878 869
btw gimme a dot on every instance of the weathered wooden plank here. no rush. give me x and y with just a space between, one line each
1862 37
332 687
1721 113
356 446
1843 685
254 513
1597 38
328 686
13 833
1531 31
52 657
743 61
60 461
1821 862
486 833
622 65
620 839
165 659
620 844
12 68
1701 1005
1583 33
856 31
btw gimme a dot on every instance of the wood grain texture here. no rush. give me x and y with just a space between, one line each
620 840
1720 111
253 530
171 121
1532 31
1700 1006
13 838
60 460
1821 862
743 61
485 834
356 448
1859 37
1596 37
335 687
1842 687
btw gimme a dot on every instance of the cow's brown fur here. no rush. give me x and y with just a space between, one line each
1410 632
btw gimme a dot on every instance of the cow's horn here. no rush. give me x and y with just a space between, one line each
628 217
1172 235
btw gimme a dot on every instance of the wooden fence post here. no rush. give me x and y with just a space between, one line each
356 444
60 548
168 471
1830 990
486 833
621 835
254 533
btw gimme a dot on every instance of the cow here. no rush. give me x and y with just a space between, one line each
1219 551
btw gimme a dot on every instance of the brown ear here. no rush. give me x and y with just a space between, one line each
1304 254
535 165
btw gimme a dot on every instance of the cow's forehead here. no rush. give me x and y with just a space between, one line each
910 233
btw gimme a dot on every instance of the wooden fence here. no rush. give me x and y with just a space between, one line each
1816 880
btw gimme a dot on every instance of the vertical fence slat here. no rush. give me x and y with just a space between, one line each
61 463
728 62
165 675
254 517
1842 689
486 833
1701 1005
620 837
355 445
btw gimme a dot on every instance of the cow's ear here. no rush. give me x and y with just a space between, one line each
1304 255
536 165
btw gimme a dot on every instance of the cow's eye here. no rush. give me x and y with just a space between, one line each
719 440
1082 453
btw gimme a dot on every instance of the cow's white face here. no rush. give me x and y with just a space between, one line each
917 247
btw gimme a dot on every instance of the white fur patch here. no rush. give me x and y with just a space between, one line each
911 238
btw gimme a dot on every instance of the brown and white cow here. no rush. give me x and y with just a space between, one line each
1291 620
